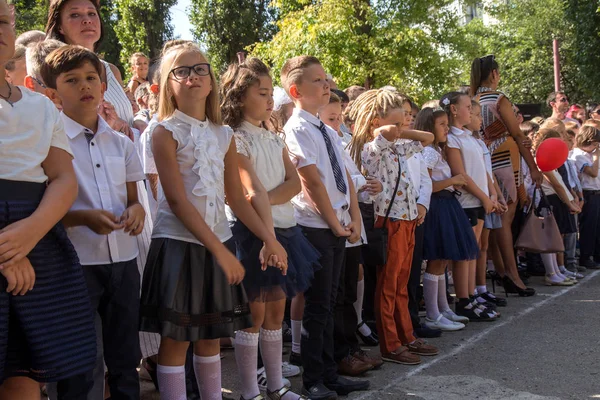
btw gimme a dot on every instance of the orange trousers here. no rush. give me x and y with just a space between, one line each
394 325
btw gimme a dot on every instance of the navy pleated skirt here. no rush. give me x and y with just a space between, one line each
186 295
48 334
271 285
448 232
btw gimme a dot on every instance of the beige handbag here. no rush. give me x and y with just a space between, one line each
540 233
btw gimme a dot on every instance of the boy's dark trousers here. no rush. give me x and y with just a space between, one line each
414 282
115 293
317 339
589 227
346 321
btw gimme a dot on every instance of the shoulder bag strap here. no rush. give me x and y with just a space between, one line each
387 213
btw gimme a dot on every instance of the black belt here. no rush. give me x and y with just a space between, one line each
21 191
591 192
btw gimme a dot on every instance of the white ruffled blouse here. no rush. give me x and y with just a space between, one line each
201 149
265 151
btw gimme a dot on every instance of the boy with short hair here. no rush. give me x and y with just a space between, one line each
327 210
35 56
106 214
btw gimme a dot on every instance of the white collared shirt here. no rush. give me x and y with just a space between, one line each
421 179
201 149
28 129
103 167
584 159
473 162
440 170
307 147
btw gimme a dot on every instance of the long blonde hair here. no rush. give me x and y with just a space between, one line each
368 106
167 104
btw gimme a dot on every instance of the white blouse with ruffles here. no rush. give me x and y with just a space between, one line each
201 149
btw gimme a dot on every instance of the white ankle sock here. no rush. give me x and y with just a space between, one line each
208 376
296 335
481 289
442 300
365 330
171 381
246 358
360 295
430 293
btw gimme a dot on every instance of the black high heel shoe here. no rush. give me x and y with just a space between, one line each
510 287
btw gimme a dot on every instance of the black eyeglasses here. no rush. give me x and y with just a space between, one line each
39 82
597 112
564 100
181 73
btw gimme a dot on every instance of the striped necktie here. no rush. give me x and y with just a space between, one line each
88 135
335 165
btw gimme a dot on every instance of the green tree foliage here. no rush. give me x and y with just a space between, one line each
410 44
142 25
521 39
225 27
30 14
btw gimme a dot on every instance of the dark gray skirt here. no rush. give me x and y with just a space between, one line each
186 295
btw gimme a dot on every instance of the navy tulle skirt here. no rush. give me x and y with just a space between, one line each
271 285
448 232
48 334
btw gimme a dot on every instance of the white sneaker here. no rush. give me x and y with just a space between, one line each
261 377
449 314
288 370
444 324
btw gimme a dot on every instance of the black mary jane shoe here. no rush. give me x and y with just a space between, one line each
371 341
278 394
490 298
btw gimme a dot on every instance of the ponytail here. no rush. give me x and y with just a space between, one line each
481 69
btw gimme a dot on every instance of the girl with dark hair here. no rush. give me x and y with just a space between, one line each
507 144
448 233
270 181
593 111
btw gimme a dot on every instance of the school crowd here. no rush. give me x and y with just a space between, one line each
153 220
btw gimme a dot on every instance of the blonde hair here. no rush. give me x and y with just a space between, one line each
167 104
587 135
557 125
363 111
544 134
135 56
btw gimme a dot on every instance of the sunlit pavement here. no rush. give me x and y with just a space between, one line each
543 347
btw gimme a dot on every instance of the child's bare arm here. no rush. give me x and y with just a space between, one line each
19 238
290 187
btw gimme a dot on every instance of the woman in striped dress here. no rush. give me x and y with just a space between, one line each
507 144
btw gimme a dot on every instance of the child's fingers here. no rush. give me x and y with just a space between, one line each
14 260
20 282
11 280
31 278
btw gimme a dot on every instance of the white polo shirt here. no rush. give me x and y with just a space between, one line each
103 167
307 147
473 161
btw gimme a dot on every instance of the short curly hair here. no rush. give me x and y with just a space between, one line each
234 84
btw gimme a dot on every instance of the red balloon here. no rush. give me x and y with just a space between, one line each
551 154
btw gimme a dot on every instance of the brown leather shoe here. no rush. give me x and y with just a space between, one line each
402 356
423 349
352 366
365 357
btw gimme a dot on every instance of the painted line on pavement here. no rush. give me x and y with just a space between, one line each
474 339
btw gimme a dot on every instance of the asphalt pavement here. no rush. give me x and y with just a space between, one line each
543 347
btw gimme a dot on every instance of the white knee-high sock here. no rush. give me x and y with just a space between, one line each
430 293
442 299
246 357
271 343
171 381
208 376
549 259
296 335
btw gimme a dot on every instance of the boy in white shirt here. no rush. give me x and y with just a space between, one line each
327 211
106 215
